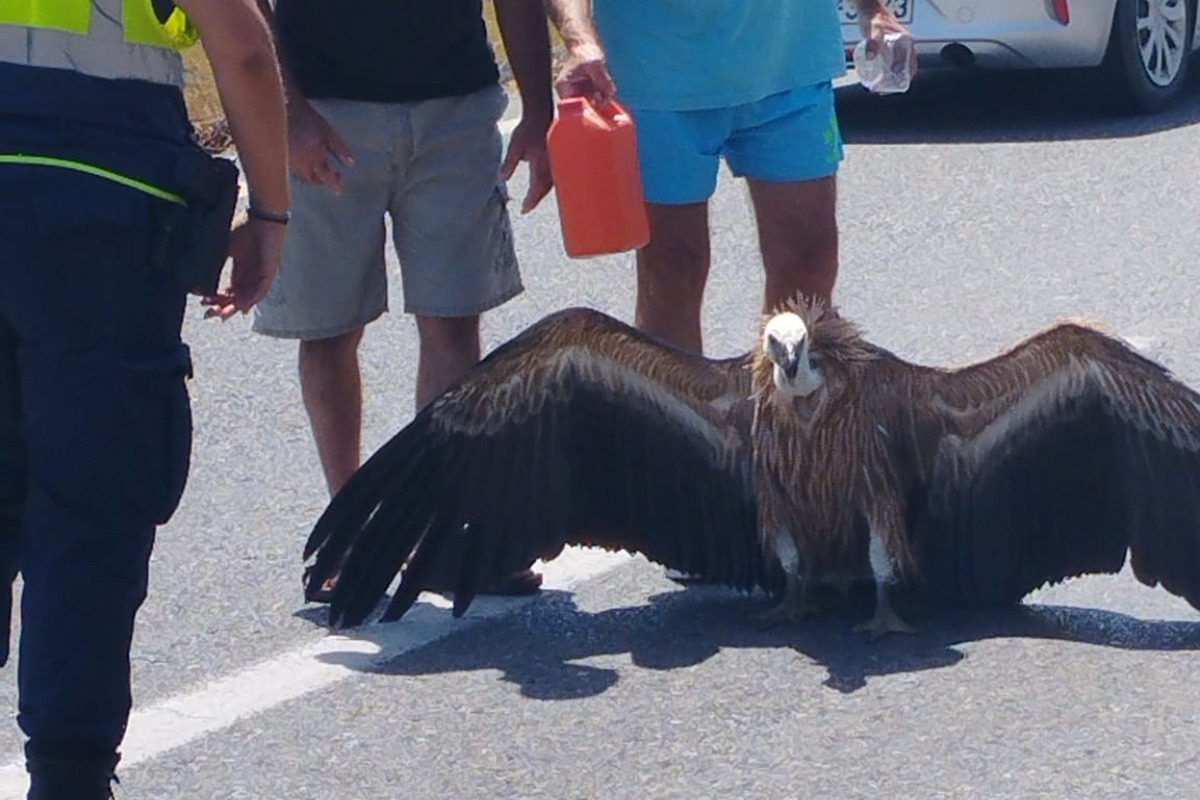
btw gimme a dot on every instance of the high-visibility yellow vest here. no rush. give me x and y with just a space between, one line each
147 22
117 39
138 39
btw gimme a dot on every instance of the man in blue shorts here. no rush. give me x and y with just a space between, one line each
711 79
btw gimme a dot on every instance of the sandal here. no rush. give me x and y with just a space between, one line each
322 595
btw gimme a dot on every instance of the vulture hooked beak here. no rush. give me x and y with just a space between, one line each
791 363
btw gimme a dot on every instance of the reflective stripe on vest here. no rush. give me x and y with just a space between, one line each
91 169
119 39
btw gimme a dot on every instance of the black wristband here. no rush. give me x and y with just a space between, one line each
269 216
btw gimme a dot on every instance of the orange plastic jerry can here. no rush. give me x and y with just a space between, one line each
594 162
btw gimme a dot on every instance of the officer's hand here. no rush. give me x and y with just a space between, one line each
315 150
256 247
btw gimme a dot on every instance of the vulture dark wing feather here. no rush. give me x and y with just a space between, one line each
385 542
1069 484
560 437
423 564
349 510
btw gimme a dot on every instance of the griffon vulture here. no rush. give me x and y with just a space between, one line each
817 456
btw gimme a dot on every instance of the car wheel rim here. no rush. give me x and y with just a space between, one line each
1161 38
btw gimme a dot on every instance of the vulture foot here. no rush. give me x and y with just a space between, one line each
884 622
796 606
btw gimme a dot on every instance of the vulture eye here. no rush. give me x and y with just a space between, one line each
814 363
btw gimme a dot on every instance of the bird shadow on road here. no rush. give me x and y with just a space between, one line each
537 647
1013 106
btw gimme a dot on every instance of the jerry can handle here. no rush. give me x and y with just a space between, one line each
612 111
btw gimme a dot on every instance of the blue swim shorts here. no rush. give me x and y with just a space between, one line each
790 136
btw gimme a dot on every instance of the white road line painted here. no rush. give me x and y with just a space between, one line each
180 720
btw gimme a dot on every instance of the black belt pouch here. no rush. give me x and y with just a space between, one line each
193 244
193 241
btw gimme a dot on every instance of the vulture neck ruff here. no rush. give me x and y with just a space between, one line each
799 344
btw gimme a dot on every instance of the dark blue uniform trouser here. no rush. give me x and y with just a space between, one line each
95 440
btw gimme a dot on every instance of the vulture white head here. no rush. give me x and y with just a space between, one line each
786 343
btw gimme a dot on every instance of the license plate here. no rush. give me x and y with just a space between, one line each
848 10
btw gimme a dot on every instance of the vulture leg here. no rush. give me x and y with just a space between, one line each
796 604
886 620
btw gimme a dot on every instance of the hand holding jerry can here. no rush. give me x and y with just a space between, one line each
597 182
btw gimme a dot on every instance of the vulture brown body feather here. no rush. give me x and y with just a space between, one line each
817 457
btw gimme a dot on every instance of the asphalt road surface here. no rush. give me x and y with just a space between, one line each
973 212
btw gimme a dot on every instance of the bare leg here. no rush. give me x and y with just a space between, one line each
331 386
449 348
672 271
798 237
886 620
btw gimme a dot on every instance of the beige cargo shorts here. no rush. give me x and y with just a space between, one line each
431 167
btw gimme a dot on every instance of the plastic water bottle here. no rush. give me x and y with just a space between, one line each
886 72
597 181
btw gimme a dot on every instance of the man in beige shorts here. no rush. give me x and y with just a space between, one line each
393 113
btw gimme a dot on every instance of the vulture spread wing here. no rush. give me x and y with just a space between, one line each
580 430
1078 452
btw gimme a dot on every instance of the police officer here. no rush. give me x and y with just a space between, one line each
109 216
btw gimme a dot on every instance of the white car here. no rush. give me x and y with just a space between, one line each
1140 48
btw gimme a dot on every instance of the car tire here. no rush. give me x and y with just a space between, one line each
1125 70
